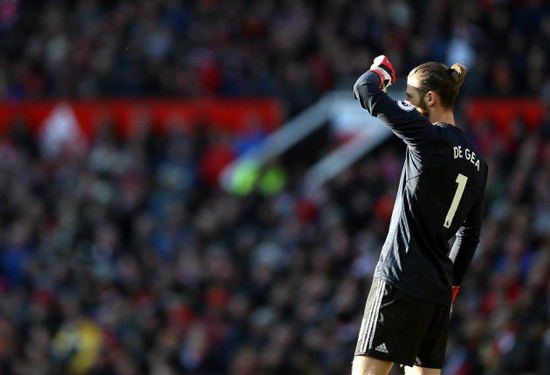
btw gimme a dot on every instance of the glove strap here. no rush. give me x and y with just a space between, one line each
380 74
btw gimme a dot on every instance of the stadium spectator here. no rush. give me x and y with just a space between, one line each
296 50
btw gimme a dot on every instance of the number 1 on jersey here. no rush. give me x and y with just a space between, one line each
461 181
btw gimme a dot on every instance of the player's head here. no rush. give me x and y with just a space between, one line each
434 84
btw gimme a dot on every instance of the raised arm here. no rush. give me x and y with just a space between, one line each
400 117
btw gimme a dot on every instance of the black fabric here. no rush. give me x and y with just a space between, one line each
441 167
399 328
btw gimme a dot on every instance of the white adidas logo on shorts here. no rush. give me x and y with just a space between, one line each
382 348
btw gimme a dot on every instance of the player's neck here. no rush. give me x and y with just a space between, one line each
441 115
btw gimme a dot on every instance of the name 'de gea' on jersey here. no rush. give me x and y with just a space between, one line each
467 154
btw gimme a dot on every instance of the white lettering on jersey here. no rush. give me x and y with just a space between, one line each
466 154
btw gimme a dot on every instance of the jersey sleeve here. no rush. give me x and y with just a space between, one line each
400 117
467 239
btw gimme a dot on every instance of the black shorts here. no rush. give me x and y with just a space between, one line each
400 328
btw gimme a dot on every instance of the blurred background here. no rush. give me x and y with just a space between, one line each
121 253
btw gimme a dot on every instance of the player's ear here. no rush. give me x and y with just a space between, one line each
431 98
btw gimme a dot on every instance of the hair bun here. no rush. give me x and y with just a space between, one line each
458 71
453 72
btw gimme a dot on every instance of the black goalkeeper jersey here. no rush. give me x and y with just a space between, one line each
440 195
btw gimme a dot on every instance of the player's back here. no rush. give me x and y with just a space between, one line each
450 183
442 182
440 194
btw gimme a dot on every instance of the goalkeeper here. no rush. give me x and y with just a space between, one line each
441 190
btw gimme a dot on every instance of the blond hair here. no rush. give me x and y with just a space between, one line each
437 77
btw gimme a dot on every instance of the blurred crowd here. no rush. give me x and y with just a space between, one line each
293 49
123 257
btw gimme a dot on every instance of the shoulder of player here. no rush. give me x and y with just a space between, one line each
405 106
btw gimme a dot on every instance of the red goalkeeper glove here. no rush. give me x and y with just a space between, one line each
382 66
455 291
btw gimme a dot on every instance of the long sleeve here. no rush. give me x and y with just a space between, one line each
400 117
467 239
